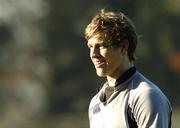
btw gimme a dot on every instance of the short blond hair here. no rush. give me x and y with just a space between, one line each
113 27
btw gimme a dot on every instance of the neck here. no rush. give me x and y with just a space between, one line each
112 79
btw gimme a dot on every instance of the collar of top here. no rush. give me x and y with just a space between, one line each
124 77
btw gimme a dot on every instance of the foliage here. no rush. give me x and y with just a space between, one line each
45 70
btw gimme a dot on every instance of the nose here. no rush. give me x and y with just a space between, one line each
94 52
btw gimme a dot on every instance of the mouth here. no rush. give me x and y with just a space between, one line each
99 64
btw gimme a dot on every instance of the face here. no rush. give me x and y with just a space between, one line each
106 59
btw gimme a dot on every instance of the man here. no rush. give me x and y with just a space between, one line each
127 99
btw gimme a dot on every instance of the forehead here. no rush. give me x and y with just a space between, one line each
94 40
97 40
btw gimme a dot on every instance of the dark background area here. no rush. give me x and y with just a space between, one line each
46 76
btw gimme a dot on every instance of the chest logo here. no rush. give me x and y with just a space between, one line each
96 108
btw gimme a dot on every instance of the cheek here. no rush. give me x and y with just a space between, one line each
109 61
90 54
104 53
90 51
114 60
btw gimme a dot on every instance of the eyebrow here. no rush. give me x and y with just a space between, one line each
99 42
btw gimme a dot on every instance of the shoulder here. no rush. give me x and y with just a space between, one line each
141 84
143 90
147 101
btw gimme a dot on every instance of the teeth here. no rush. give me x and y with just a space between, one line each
98 63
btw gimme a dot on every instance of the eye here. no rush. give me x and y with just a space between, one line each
103 46
89 46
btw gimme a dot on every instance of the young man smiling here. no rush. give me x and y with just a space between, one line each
127 99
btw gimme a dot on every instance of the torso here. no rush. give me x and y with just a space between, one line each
112 113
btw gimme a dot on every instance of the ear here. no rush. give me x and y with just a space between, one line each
124 46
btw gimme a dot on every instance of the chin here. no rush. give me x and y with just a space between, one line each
100 73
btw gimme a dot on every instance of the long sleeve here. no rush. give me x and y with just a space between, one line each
151 110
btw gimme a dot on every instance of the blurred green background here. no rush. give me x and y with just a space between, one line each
46 76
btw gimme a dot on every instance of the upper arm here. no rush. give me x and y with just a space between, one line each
151 109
